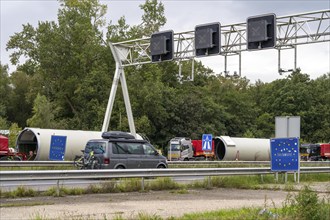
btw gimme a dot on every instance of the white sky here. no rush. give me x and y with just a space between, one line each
184 16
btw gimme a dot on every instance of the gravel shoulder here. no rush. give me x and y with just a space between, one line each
129 205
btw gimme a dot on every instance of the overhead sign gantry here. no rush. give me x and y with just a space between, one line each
259 32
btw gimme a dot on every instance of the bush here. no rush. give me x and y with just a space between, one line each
130 185
164 183
23 192
306 206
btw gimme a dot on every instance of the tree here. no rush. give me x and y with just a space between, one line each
19 107
67 56
316 117
153 18
43 113
64 82
4 95
13 133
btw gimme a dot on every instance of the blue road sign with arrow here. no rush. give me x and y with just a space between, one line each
207 142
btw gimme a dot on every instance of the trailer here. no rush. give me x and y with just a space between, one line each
199 153
185 149
7 153
315 152
224 148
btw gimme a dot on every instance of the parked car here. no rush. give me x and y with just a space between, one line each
120 150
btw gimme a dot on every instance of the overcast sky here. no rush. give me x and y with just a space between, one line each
184 15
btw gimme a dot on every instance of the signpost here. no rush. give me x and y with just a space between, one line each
285 155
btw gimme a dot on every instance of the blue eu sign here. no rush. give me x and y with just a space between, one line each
57 147
207 142
284 154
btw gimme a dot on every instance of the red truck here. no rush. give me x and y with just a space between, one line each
7 153
184 149
325 151
315 152
198 150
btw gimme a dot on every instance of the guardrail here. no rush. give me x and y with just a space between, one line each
138 173
68 163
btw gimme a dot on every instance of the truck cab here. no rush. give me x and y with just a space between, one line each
180 148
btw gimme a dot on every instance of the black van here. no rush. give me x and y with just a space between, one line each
120 150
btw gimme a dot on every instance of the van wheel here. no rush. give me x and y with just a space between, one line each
161 167
186 159
120 167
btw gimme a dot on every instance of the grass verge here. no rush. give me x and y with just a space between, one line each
305 205
135 185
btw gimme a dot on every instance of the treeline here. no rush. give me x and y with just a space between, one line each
65 79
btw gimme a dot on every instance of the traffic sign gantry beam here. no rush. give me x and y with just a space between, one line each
292 30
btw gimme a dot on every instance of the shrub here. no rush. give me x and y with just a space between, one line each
23 192
164 183
306 206
130 185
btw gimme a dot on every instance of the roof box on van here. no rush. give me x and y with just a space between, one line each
117 134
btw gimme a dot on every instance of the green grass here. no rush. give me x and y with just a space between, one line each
164 183
256 182
20 191
135 185
306 205
25 204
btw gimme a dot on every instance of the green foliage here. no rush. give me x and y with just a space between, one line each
144 216
244 213
43 113
153 18
164 183
306 205
19 107
4 95
130 185
64 82
21 191
13 133
3 124
53 191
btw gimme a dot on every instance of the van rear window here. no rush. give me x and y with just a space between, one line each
97 147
